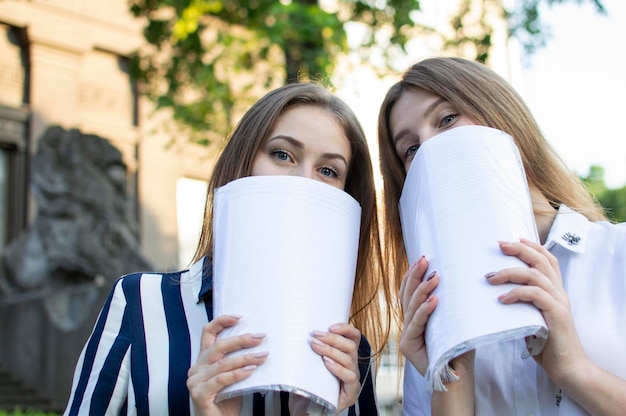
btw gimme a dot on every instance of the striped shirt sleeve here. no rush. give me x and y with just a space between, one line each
101 377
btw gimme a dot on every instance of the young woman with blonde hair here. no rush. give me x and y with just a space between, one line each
576 278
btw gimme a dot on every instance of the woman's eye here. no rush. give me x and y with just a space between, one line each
449 119
411 150
327 171
281 154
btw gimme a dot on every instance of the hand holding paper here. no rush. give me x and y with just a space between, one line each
285 259
465 191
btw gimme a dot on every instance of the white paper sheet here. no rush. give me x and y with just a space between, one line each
285 255
465 191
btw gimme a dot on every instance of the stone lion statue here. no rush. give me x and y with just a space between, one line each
82 237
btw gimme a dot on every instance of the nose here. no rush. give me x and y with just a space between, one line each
427 135
305 171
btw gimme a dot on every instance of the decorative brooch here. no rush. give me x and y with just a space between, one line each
572 239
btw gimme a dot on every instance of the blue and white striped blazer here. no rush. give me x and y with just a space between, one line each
146 338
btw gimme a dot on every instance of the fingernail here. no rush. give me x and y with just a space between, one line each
503 297
524 240
249 367
490 275
421 259
430 299
329 360
335 327
261 354
430 276
236 316
320 334
258 335
317 342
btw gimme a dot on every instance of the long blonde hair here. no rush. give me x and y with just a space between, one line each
235 161
487 99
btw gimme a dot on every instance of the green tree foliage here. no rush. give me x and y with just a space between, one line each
613 200
205 57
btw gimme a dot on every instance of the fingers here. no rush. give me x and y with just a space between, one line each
211 330
338 346
416 326
228 370
213 350
543 270
419 302
204 386
411 280
418 296
215 368
412 336
534 255
540 283
339 350
213 358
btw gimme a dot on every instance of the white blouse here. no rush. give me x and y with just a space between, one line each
592 259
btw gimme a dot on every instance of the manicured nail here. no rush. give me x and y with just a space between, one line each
430 276
235 316
524 240
320 334
317 342
490 275
503 297
430 299
335 327
261 354
250 367
258 335
329 360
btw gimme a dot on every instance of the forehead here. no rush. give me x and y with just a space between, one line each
411 105
311 123
305 117
413 99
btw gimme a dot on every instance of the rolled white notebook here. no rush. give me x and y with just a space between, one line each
284 259
466 190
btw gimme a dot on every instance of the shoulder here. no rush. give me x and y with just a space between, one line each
609 235
137 277
133 285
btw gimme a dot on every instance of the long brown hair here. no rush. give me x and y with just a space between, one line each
487 99
235 161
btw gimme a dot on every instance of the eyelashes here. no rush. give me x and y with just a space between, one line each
283 155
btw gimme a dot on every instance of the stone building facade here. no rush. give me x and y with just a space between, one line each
65 63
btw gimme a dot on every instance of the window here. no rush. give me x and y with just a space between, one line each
12 173
14 93
190 199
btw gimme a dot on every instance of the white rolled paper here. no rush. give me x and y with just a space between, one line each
284 259
466 190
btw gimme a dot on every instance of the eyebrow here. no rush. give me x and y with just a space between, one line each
429 110
296 143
